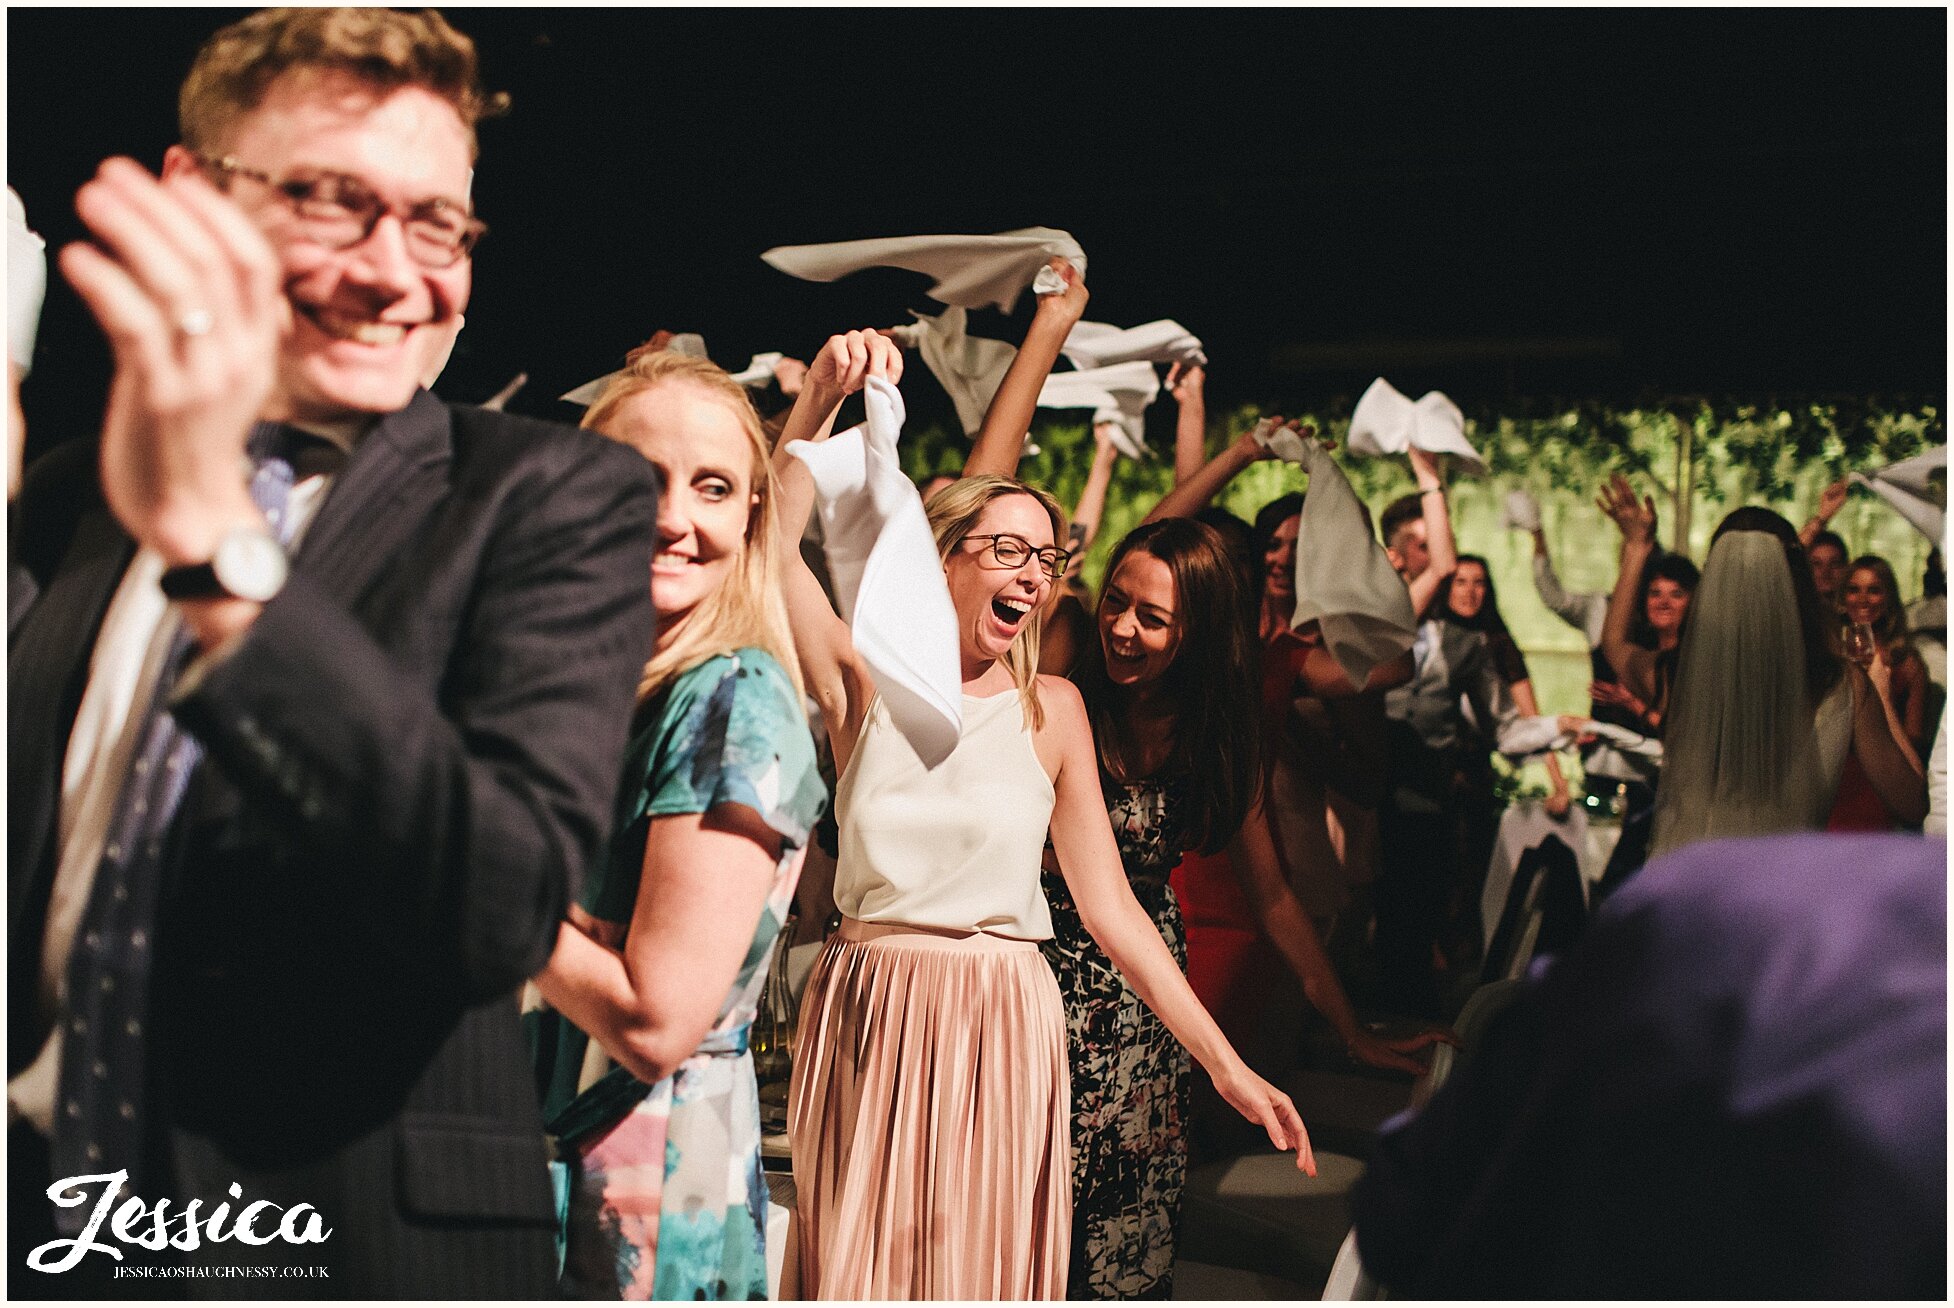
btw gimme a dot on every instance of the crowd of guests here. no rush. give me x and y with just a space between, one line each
315 771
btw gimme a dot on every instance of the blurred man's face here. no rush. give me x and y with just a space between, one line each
1828 570
368 319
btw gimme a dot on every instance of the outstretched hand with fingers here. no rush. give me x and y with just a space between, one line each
188 292
1262 1103
1637 520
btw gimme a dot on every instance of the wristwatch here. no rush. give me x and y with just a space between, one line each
247 564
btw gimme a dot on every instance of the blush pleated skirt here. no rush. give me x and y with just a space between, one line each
928 1118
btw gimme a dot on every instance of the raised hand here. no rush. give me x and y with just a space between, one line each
1186 381
1832 499
187 290
1637 520
1064 308
846 362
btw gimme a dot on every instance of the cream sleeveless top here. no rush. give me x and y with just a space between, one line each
958 847
1833 726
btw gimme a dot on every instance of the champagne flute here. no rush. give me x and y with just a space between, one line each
1860 644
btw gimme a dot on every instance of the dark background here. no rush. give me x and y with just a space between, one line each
1504 204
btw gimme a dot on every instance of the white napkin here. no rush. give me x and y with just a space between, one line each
1917 488
687 343
1096 344
1522 511
970 367
1525 737
1118 394
1344 581
1285 442
26 283
970 271
759 370
887 575
1387 422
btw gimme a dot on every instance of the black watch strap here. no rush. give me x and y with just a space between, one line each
193 581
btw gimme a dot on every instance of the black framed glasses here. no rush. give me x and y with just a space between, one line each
1012 551
339 211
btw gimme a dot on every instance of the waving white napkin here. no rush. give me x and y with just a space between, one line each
1916 488
1387 422
970 367
1096 344
687 343
1525 737
1285 442
1118 394
970 271
1344 581
888 578
758 370
1522 511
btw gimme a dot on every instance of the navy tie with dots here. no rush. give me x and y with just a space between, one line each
99 1125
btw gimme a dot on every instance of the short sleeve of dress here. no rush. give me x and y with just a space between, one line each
1507 659
736 733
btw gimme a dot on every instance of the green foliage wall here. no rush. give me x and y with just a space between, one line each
1779 455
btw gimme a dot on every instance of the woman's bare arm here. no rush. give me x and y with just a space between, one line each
1089 860
706 878
831 670
1187 383
1000 441
1633 664
1192 495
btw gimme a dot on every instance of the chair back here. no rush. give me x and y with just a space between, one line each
1349 1282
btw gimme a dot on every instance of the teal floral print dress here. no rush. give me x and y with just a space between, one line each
659 1186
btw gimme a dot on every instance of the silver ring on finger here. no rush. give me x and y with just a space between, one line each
195 322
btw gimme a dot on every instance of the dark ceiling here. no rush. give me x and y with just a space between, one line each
1498 202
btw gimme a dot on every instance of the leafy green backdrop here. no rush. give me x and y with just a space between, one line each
1779 454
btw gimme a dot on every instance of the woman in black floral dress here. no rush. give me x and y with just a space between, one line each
1171 685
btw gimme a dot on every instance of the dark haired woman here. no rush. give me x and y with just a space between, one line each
1169 685
1470 601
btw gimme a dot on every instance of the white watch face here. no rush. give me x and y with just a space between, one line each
250 565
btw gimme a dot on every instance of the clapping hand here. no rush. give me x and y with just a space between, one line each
187 291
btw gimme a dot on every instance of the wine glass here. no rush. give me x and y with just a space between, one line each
1859 643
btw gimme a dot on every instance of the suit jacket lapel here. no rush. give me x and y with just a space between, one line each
380 497
47 667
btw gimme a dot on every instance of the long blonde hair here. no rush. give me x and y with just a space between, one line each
749 609
953 511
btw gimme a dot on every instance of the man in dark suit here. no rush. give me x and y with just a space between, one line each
287 837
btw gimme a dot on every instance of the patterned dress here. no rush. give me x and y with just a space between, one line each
659 1186
1130 1077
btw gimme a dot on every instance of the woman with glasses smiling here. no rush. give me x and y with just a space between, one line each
928 1112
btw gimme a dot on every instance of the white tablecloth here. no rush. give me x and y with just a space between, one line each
1525 825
